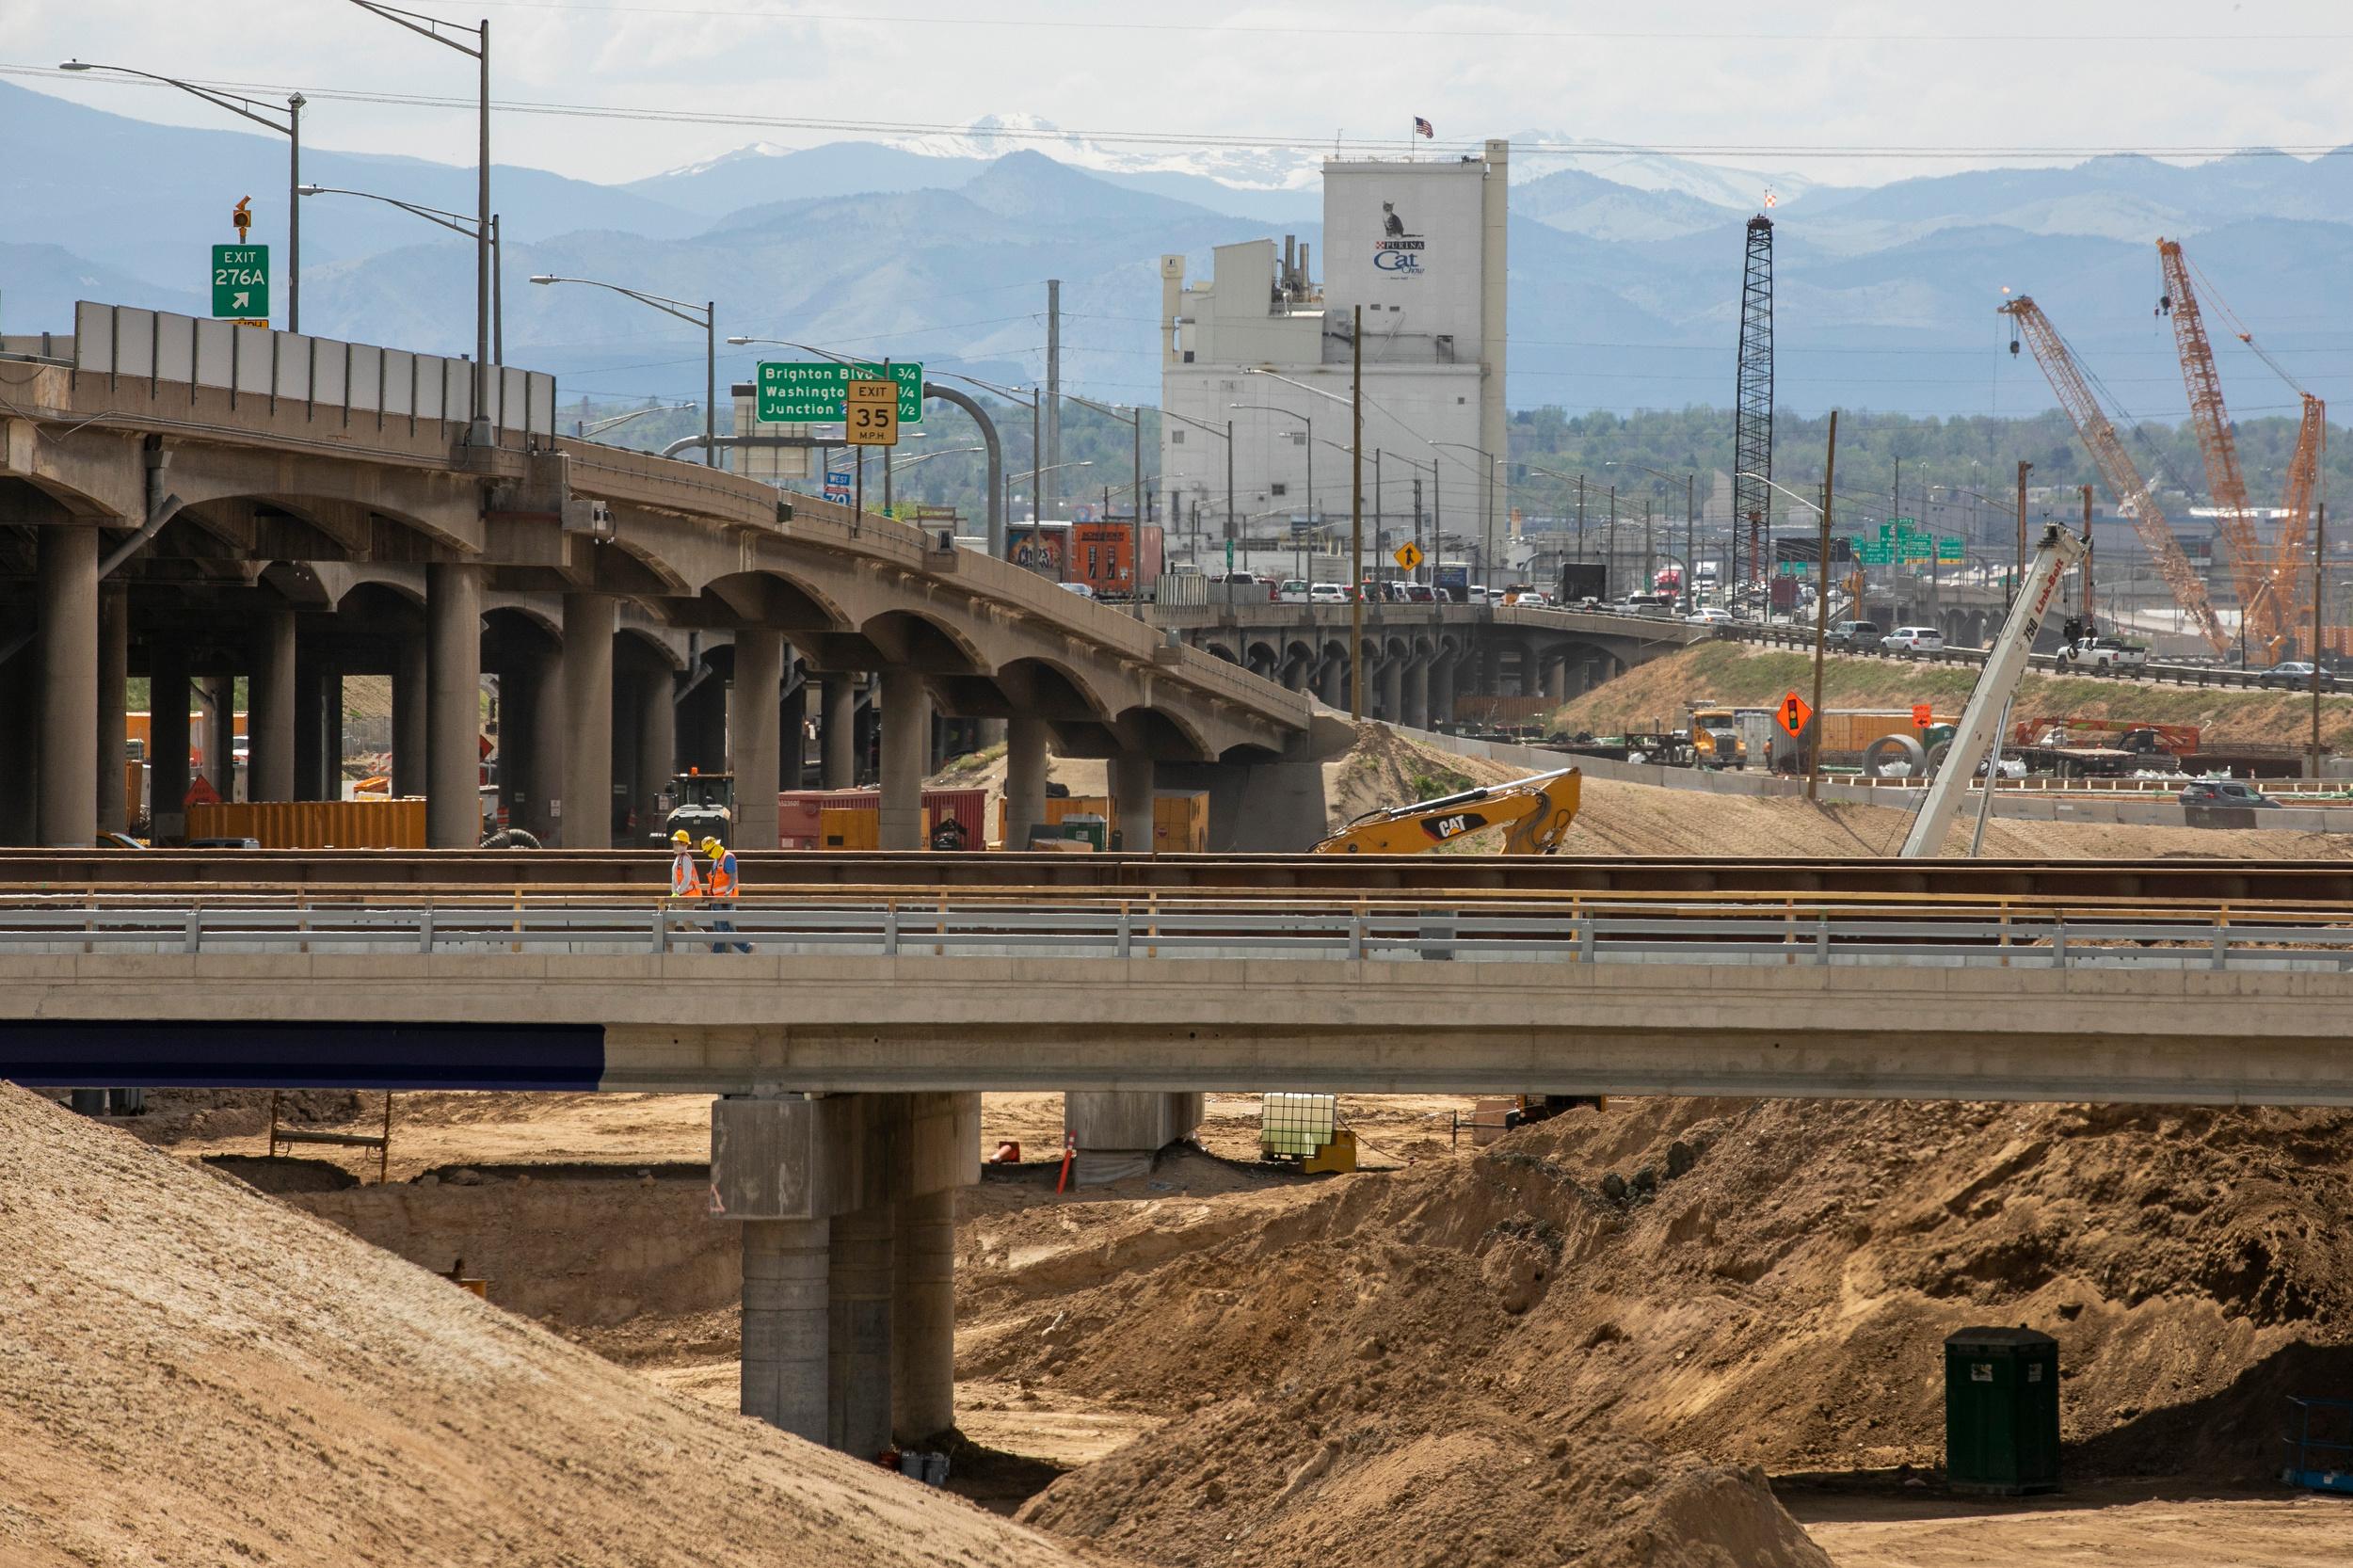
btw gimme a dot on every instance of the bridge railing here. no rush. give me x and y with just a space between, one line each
2048 663
1634 932
347 380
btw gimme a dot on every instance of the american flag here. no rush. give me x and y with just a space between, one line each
1423 128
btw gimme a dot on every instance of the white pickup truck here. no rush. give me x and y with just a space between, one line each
2104 655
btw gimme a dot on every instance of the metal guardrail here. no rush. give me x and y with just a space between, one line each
1694 932
2049 664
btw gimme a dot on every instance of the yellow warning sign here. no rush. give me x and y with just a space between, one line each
1408 556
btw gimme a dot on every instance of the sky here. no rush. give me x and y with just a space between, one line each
1860 92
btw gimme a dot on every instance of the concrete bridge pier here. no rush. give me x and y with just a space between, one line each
1391 687
1332 682
452 610
167 741
1416 712
847 1209
1119 1131
791 734
588 628
836 724
1442 687
906 721
269 771
1025 779
752 732
1132 781
66 566
410 683
656 758
114 673
219 692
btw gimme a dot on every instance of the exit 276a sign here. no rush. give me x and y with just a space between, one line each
241 281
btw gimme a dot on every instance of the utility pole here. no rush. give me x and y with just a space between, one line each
1416 576
1580 525
2320 550
1356 520
1691 545
2092 613
2024 468
1821 614
1650 551
1229 495
1053 383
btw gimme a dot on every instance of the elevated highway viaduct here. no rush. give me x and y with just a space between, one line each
288 509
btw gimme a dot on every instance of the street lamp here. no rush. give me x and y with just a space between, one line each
583 429
478 433
1298 552
1133 419
1226 436
261 115
684 312
1691 537
450 221
1486 549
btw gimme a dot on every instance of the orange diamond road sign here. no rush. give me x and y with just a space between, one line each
1794 715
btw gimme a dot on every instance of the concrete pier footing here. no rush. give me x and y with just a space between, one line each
1119 1131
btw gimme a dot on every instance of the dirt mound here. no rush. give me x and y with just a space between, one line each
1750 1285
1383 769
193 1373
1739 673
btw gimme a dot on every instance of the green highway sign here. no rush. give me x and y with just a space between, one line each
1950 550
241 281
813 394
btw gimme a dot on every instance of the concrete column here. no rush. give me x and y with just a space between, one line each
1119 1130
309 722
220 733
167 742
1442 689
453 607
836 766
588 719
924 1313
1392 688
1295 674
787 1312
906 721
1131 801
1332 683
547 810
859 1287
752 716
269 703
408 724
1556 679
113 672
20 759
68 571
866 726
791 742
657 743
1416 712
1025 779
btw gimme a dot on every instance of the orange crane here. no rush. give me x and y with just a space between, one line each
2250 573
2285 607
2116 466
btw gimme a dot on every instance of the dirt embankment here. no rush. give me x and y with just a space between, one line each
1769 1286
193 1373
1663 691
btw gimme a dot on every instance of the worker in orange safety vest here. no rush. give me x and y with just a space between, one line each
687 877
721 888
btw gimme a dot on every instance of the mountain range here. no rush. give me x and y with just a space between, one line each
1625 268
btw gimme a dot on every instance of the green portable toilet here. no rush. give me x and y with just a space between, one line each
2001 1411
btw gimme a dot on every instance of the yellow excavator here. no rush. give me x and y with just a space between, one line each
1534 811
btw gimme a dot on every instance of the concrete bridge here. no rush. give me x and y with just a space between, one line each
1419 659
186 499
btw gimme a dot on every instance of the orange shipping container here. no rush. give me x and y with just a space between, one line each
1180 819
315 824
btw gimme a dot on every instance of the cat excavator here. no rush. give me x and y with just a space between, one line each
1535 813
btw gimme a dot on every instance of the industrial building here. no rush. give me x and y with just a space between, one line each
1421 247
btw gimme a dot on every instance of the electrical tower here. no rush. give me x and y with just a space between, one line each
1752 409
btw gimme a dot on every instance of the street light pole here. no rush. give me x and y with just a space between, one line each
247 108
457 224
479 432
708 321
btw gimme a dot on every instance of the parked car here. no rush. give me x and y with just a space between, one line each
1855 636
1915 639
1710 616
1293 590
116 841
1421 593
1327 593
2223 791
1082 590
2295 675
2103 655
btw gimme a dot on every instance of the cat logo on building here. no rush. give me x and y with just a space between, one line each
1396 250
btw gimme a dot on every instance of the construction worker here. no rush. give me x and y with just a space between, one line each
720 889
686 879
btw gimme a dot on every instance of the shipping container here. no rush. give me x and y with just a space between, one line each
1105 556
315 824
1043 547
802 816
1180 819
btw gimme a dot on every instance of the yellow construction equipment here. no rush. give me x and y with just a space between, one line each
1535 813
2116 466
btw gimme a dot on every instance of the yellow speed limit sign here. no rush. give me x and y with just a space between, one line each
1408 555
871 413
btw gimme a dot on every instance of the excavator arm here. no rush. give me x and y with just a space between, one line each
1535 813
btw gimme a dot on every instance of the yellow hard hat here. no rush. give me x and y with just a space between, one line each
681 837
713 846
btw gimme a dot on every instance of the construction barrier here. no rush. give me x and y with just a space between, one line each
315 824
